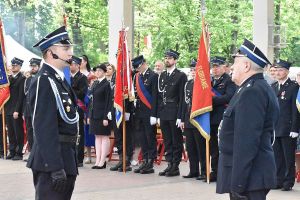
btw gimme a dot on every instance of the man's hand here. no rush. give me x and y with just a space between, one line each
294 134
127 116
15 115
153 120
59 180
105 123
109 116
178 122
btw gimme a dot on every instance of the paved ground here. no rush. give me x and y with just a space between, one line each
16 184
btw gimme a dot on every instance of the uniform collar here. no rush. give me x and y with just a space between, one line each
170 71
59 72
253 77
15 75
283 82
101 79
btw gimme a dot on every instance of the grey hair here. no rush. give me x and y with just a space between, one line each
255 67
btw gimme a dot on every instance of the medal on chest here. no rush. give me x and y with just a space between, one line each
282 95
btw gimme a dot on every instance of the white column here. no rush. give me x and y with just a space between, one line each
263 19
120 11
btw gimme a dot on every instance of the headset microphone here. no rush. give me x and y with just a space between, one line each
54 56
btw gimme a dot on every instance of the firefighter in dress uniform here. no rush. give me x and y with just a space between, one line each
53 158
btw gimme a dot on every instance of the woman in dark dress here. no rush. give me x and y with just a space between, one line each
100 106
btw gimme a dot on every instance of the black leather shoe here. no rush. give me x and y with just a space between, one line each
117 166
95 167
142 166
190 175
201 177
163 173
285 188
17 157
172 173
103 166
80 165
148 169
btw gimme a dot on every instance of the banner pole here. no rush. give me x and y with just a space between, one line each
207 162
4 134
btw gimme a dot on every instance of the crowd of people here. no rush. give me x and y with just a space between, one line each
82 112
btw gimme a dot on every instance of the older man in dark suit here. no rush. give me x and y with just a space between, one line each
246 167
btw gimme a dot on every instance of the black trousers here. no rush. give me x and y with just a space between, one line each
119 138
147 138
29 131
214 149
15 134
173 140
80 146
43 187
195 146
284 150
255 195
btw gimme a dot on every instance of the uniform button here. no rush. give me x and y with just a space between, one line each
46 165
240 186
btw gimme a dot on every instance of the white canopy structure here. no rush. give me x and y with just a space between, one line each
14 49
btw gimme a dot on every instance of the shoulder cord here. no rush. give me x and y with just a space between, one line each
159 90
25 87
186 99
59 104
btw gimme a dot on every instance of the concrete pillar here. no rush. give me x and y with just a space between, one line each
263 21
120 11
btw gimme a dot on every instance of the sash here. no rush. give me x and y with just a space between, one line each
143 93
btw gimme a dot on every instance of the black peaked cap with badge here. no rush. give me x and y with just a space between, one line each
60 35
100 66
218 60
76 60
252 52
17 61
137 61
283 64
35 61
172 53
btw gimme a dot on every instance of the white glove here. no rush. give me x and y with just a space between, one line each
158 121
109 116
127 115
134 103
153 120
294 134
178 122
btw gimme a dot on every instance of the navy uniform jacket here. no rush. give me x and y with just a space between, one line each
48 153
170 91
101 100
187 103
17 96
246 160
80 85
226 88
150 82
288 110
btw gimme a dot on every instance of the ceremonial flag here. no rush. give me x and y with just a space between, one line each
202 92
124 84
4 83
